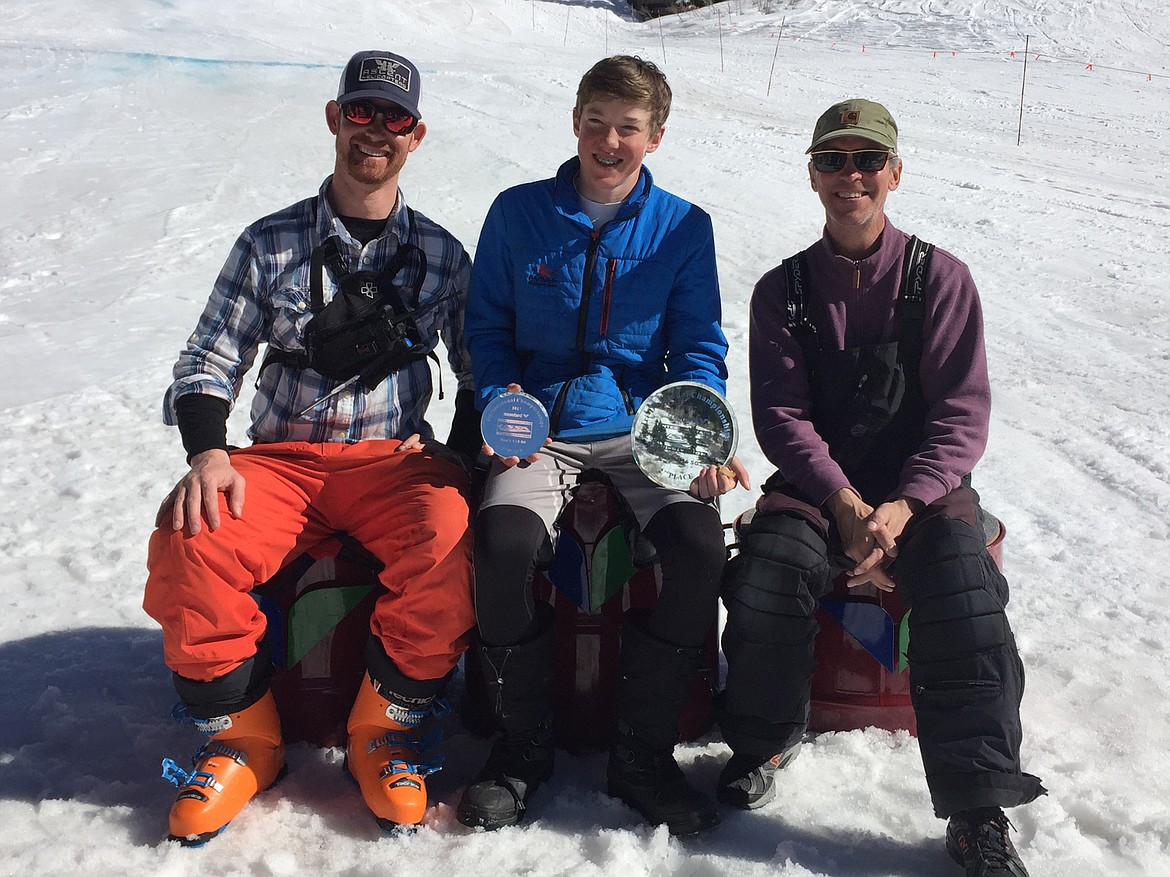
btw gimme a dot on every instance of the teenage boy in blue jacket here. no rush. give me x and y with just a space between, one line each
590 291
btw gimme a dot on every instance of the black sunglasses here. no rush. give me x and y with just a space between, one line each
362 112
867 161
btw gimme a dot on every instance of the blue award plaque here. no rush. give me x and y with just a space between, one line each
679 430
515 425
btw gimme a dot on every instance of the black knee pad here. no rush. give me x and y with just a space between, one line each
955 590
508 533
688 534
772 588
509 544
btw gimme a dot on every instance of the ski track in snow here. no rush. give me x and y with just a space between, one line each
139 138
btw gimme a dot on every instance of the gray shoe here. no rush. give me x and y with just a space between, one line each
748 781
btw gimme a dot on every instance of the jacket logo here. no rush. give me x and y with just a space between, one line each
851 117
368 289
541 275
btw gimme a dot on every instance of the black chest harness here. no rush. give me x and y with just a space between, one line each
368 330
867 402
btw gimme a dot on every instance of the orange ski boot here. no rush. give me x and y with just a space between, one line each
244 756
383 755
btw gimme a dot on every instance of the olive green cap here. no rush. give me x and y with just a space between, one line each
857 118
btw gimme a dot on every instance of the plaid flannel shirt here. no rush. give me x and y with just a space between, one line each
262 295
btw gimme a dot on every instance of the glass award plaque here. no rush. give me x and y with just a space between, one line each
514 424
679 430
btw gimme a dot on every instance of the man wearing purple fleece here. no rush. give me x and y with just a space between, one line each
870 395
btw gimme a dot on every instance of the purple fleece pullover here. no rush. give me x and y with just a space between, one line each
852 305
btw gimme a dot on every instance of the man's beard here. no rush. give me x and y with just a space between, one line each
373 171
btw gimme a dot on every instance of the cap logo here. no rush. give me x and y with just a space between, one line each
851 117
385 70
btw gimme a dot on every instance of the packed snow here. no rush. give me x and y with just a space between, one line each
137 137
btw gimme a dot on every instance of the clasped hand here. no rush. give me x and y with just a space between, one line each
869 535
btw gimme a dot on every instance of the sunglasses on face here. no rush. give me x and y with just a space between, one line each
362 112
830 161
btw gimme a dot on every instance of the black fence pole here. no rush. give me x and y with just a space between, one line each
779 36
1023 82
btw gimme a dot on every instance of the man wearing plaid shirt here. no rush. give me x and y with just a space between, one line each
331 452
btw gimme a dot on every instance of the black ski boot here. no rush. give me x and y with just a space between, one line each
748 781
519 681
978 840
651 782
500 793
656 679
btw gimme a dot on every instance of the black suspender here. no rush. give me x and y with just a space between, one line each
799 324
366 328
911 306
912 302
328 255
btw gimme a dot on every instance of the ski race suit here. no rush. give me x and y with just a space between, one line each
590 321
966 676
319 465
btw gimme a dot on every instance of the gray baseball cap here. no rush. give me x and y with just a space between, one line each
378 75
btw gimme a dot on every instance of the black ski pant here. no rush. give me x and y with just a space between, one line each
966 676
661 649
688 541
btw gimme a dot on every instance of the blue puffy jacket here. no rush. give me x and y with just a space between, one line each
591 321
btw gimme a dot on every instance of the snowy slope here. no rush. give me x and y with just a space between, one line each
138 136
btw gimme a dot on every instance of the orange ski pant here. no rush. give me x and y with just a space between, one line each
408 509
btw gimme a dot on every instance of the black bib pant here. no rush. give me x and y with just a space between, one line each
966 676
